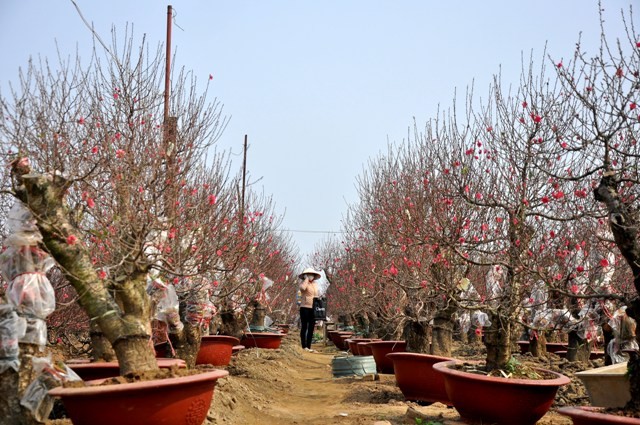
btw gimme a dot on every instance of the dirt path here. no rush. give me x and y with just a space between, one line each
290 386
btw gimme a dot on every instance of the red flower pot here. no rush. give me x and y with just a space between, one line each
284 328
416 378
497 400
588 415
270 340
236 349
380 349
337 341
342 340
364 349
354 345
524 346
183 400
216 350
102 370
554 347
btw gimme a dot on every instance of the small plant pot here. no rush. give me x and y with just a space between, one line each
269 340
216 350
182 400
90 371
498 400
342 338
284 328
416 378
588 415
380 349
236 349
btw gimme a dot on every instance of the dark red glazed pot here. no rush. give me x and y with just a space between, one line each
380 349
587 415
184 400
90 371
416 378
498 400
270 340
216 350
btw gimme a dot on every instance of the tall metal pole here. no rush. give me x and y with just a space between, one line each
167 79
244 183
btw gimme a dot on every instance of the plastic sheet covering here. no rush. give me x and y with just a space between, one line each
624 330
24 265
12 328
166 303
49 375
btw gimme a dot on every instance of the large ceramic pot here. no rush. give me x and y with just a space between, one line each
416 378
337 341
364 349
269 340
380 349
499 400
354 345
236 349
343 343
183 400
216 350
588 415
552 347
89 371
607 386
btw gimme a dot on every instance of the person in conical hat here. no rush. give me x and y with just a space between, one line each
308 290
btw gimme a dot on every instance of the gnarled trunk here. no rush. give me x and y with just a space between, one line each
125 322
497 340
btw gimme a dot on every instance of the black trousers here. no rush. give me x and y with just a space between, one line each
307 324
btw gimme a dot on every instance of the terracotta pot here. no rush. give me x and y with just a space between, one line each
342 338
380 349
364 349
354 345
416 378
236 349
497 400
337 341
269 340
284 328
593 355
588 415
183 400
554 347
216 350
524 346
102 370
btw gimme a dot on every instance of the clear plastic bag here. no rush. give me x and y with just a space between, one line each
12 328
49 375
166 302
624 330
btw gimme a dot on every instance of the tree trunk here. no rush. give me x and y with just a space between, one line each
578 350
13 386
442 338
497 340
101 350
230 323
538 345
125 322
416 334
186 343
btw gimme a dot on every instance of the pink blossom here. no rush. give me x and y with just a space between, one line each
91 203
604 262
81 120
102 274
212 199
94 150
210 76
120 153
545 199
72 239
558 195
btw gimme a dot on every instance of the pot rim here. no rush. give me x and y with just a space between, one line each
262 334
226 338
394 343
402 354
161 361
94 387
559 380
595 413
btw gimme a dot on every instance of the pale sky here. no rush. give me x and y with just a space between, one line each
320 87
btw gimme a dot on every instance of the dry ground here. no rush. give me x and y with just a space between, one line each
291 386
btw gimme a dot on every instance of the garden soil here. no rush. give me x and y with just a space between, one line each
291 386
